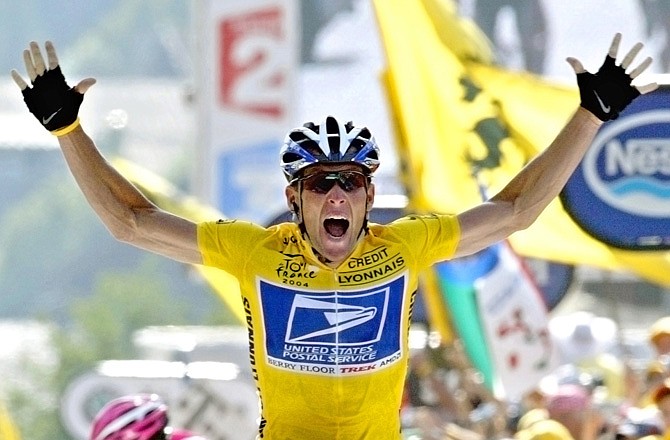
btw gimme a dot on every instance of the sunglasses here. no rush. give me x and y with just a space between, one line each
322 183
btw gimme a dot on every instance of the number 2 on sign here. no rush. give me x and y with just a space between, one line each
253 78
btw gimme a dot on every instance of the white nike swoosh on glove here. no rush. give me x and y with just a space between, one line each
604 108
45 121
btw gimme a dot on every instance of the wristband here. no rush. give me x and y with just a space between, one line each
66 130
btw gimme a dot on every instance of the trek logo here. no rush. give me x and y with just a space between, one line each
603 107
631 173
333 333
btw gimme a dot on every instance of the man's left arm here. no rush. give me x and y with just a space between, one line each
603 96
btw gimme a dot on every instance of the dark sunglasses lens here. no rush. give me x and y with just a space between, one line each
323 183
320 183
351 181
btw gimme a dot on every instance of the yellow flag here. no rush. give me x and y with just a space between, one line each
436 308
459 116
8 430
167 196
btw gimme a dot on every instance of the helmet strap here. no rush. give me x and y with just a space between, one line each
364 228
298 215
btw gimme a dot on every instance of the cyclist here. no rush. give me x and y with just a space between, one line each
328 298
136 417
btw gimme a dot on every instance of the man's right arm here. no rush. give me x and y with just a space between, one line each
125 211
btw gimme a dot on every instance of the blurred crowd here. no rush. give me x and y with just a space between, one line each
598 391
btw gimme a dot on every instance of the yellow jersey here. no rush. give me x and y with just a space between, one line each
328 346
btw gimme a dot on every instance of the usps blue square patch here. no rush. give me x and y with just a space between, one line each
328 332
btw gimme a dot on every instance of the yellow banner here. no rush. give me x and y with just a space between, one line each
8 430
459 116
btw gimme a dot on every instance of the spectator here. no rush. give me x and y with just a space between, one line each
429 404
544 430
639 423
662 401
587 342
654 375
535 424
659 336
570 405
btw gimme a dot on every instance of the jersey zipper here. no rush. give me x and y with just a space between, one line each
338 377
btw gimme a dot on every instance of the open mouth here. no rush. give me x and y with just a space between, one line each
336 227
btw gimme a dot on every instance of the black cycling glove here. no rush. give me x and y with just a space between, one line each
52 101
608 92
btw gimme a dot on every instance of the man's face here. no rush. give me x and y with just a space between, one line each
333 202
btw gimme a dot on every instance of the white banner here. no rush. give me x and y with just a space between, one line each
515 321
247 65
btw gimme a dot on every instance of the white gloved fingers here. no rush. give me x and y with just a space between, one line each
576 65
614 47
19 80
30 68
83 85
647 88
630 56
51 55
641 68
38 61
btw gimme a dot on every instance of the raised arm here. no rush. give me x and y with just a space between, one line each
603 96
128 215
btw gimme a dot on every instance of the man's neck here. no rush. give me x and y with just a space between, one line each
335 263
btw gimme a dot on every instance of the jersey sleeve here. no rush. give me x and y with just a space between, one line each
226 244
433 237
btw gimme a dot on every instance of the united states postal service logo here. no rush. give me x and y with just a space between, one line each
331 320
628 172
326 332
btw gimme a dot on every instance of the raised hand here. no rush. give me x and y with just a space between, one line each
50 99
607 92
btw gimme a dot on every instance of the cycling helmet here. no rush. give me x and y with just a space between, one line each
330 142
181 434
137 417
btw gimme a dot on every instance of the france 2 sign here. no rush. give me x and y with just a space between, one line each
246 75
620 193
253 78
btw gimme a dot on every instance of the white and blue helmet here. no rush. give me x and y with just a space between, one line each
330 142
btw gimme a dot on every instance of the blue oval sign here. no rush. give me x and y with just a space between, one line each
620 193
